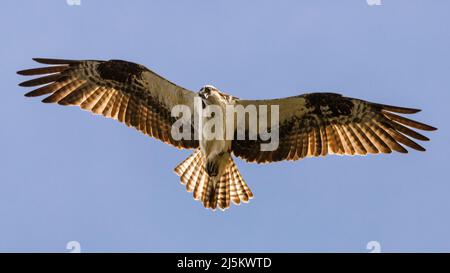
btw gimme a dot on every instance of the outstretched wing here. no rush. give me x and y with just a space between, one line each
318 124
125 91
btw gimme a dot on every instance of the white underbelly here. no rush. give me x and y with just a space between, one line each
211 148
212 145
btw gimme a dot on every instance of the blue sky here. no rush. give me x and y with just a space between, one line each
68 175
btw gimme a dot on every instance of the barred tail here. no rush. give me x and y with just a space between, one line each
213 191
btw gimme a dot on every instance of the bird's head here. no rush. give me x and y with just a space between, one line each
211 95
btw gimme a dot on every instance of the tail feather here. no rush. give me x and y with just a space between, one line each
209 193
221 199
242 190
186 177
227 190
198 172
183 166
233 189
200 186
213 192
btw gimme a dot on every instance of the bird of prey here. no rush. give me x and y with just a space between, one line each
310 125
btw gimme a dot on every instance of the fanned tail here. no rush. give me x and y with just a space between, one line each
213 191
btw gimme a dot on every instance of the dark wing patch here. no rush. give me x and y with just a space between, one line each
116 89
120 71
329 123
329 105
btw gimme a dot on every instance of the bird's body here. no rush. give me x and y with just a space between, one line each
215 149
314 124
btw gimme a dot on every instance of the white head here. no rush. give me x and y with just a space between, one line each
211 95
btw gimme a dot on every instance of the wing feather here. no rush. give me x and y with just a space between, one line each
359 147
367 143
409 122
42 70
318 124
41 80
47 89
125 91
63 92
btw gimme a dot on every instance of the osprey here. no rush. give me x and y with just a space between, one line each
310 125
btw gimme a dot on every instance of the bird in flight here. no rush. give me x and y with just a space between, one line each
309 125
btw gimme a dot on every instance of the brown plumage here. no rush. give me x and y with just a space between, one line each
310 125
124 91
328 123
